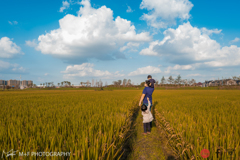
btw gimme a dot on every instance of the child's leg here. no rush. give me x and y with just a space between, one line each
150 124
148 127
145 127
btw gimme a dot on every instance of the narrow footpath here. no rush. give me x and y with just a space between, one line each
151 146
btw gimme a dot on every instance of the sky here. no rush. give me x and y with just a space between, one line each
76 41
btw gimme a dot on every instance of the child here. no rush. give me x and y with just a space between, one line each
151 80
147 117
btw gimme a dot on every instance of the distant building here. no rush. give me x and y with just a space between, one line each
13 82
238 82
24 83
30 83
3 82
199 84
16 83
221 82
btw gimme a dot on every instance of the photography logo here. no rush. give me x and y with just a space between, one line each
10 153
205 153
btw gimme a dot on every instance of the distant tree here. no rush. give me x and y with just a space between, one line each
163 80
235 78
115 83
129 82
175 82
142 84
191 82
170 80
124 82
100 83
106 84
119 82
88 83
92 82
178 79
96 83
184 82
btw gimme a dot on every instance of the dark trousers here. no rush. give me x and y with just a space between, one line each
146 127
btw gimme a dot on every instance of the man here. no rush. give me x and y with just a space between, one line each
147 93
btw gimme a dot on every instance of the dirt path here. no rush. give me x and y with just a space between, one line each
151 146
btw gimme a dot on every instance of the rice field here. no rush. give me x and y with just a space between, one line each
89 124
93 125
197 120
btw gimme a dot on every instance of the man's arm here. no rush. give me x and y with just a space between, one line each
141 99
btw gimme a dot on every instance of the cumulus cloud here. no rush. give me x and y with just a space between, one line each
189 45
65 5
92 34
32 43
145 70
87 70
180 67
6 67
163 13
129 9
8 49
235 40
129 45
211 31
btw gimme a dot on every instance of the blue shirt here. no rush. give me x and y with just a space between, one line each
148 93
152 82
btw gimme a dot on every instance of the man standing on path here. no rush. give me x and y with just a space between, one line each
147 92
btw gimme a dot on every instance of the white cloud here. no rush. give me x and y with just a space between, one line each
145 70
209 32
235 40
129 9
87 70
180 67
11 68
8 49
46 74
13 22
189 45
194 75
92 34
163 13
32 43
65 5
129 45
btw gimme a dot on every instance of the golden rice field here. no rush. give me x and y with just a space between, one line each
196 120
93 125
89 124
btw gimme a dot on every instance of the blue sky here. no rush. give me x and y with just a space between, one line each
109 40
